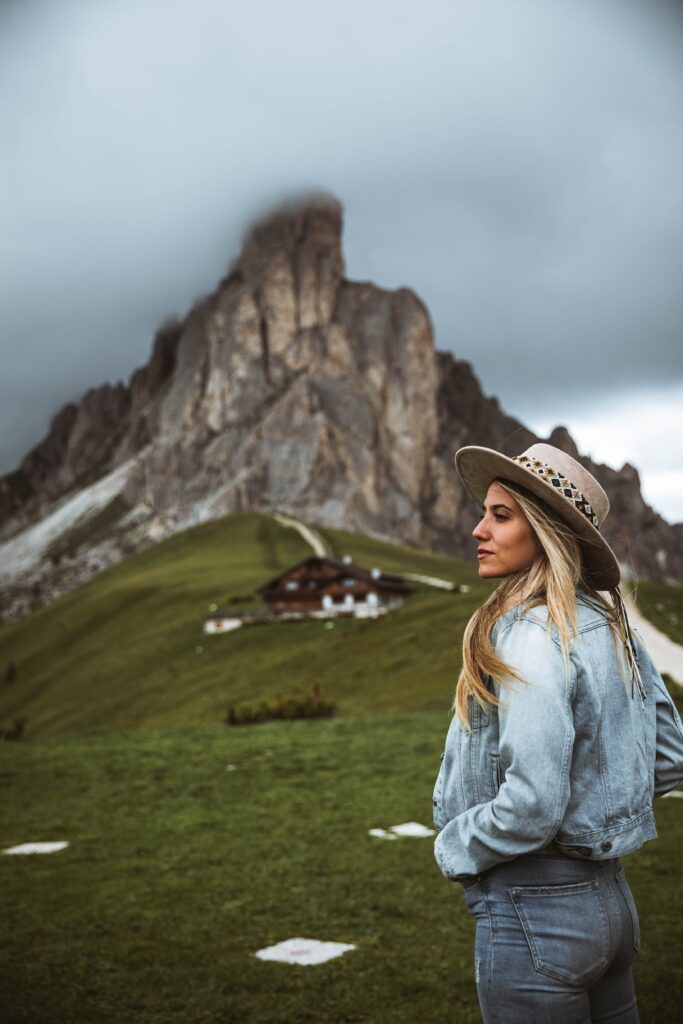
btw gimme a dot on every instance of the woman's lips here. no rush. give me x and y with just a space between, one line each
483 554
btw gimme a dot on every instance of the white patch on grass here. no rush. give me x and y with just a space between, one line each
380 833
303 951
675 792
412 828
36 848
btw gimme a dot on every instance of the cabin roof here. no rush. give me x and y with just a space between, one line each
385 581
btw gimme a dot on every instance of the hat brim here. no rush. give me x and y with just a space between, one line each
479 467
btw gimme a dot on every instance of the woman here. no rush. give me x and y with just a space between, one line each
563 734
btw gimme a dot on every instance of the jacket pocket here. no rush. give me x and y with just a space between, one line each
566 929
620 878
496 773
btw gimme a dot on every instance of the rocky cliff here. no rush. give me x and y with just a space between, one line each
287 387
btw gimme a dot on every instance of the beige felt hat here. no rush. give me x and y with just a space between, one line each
562 483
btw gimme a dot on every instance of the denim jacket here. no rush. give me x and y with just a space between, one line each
573 760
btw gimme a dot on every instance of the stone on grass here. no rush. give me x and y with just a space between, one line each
380 833
36 848
412 828
303 951
675 792
407 828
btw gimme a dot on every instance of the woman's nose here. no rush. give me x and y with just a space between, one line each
479 531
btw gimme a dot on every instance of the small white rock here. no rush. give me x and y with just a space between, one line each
412 828
36 848
303 951
380 833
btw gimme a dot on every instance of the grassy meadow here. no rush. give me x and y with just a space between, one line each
662 604
127 648
193 844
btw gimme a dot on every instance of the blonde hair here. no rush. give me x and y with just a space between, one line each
552 579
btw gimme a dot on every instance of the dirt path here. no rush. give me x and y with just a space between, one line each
310 535
666 654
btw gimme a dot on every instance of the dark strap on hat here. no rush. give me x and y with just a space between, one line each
559 483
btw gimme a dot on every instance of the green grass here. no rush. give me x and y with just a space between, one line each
662 604
122 650
398 558
180 868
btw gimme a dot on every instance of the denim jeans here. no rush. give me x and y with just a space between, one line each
555 941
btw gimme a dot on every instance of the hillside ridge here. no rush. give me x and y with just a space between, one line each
287 388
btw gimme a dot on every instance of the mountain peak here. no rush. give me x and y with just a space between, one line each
288 387
562 439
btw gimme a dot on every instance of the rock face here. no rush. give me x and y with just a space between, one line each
293 388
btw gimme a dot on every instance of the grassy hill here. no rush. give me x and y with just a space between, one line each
127 647
192 848
192 845
662 604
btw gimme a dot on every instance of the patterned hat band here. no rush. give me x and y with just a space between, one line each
559 483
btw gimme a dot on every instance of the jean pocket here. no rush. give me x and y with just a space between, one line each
620 878
566 928
496 773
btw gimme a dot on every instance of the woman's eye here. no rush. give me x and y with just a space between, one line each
501 518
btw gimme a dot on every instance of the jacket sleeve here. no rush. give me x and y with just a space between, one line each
669 753
536 739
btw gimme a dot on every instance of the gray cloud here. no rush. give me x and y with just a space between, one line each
519 166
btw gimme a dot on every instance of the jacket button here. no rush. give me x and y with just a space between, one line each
606 846
434 802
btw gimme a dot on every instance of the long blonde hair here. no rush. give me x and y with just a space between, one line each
552 579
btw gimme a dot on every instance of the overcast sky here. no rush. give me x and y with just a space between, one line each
518 164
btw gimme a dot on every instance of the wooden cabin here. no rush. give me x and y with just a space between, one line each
318 588
329 585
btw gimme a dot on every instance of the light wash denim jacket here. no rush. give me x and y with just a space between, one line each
574 761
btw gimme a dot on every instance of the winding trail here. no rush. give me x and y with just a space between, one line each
430 581
310 535
666 654
320 548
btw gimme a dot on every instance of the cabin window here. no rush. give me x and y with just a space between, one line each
292 585
349 581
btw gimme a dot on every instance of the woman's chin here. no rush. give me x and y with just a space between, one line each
487 572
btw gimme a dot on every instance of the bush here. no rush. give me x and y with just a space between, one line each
295 705
15 731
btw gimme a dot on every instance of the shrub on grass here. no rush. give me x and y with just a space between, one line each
14 731
284 707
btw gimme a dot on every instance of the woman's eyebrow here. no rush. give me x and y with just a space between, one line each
500 505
